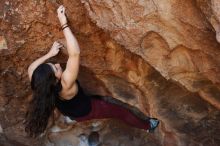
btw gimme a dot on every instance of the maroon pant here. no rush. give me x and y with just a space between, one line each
102 109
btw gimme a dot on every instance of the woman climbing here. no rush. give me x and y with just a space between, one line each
53 87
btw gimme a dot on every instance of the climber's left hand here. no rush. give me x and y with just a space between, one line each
55 49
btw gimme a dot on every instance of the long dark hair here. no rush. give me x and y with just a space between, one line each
43 85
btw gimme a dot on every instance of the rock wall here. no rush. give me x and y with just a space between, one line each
159 56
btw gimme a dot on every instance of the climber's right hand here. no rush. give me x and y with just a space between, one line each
61 15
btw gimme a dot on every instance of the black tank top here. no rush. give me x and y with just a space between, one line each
78 106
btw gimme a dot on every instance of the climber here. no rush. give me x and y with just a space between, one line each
52 87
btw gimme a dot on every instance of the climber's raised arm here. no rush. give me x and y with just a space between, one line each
53 52
70 73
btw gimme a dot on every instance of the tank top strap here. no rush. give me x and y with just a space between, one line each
58 87
79 86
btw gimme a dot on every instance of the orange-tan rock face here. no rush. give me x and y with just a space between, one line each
173 37
211 10
159 56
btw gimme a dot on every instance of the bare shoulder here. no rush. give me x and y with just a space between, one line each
68 93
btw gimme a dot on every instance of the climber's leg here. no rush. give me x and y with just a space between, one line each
102 109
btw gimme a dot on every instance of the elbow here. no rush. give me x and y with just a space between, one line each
29 69
30 72
77 52
73 50
74 54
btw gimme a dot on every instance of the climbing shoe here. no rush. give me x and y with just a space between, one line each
153 124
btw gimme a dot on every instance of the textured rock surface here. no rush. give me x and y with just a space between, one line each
159 56
109 133
211 10
171 36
